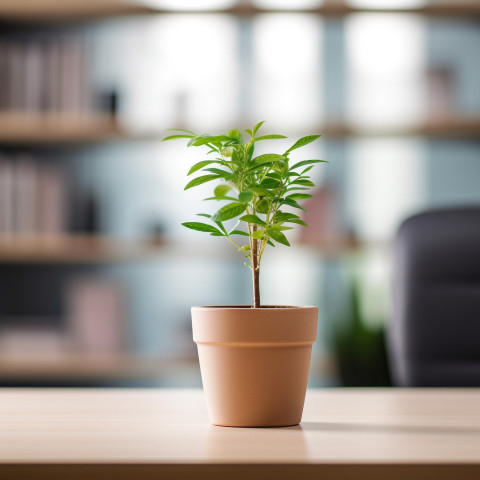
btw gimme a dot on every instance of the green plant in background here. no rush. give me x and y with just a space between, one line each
360 350
259 191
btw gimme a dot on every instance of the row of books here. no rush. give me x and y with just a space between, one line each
51 74
94 325
32 197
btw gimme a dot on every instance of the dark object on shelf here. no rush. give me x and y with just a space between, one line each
435 329
89 214
156 233
360 350
109 102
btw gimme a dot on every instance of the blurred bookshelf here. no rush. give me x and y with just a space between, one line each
81 113
52 11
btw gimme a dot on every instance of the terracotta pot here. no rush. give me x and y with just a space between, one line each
254 362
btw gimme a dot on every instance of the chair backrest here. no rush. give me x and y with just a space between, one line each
434 336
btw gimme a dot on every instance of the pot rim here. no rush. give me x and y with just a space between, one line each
249 307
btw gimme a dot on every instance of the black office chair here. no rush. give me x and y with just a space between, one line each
434 336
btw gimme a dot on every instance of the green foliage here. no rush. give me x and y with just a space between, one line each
258 189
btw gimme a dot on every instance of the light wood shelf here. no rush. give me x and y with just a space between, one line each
74 249
441 127
52 11
97 249
19 128
59 130
78 367
339 9
48 11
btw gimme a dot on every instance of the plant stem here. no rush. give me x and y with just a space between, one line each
255 272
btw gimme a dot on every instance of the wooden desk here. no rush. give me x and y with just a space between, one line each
165 434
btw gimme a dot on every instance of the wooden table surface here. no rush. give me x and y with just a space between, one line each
146 434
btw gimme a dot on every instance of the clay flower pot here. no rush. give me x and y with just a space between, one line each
254 362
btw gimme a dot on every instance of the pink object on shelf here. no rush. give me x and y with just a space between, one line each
96 316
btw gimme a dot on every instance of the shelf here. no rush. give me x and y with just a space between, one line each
73 249
19 129
48 11
85 249
70 367
78 367
339 9
442 127
49 128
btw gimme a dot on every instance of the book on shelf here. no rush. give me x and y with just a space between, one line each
49 74
96 316
33 197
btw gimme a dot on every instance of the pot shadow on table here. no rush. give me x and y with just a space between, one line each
237 444
372 428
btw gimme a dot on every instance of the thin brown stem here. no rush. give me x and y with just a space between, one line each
255 271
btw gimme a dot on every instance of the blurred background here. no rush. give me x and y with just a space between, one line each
96 274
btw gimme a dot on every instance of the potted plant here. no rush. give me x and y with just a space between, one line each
254 359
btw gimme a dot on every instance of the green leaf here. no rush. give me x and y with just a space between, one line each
221 173
206 215
229 211
181 130
298 221
200 180
279 228
260 191
201 227
221 190
222 228
269 183
249 132
293 204
306 170
239 232
225 197
274 175
236 135
200 165
306 183
302 142
203 140
266 158
268 137
245 196
252 219
174 137
299 196
263 206
258 234
306 162
256 127
278 236
284 215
